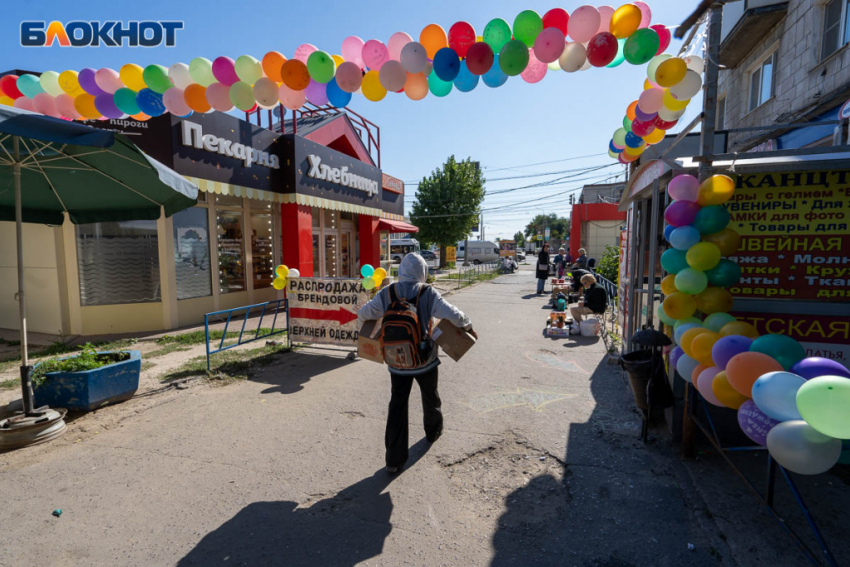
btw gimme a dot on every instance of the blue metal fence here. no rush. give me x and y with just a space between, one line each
270 309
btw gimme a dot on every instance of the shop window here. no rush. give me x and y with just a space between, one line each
331 256
202 197
262 251
345 254
346 216
331 220
118 262
316 260
258 205
231 262
761 82
192 253
836 27
317 218
228 201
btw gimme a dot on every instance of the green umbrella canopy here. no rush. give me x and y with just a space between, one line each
93 175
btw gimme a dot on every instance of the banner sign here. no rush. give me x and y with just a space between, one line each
796 244
507 248
451 254
324 310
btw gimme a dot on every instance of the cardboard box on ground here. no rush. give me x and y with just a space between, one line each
455 342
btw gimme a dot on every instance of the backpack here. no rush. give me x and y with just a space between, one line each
402 340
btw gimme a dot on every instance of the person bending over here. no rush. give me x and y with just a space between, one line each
595 299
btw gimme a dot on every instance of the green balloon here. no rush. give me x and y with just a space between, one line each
321 67
242 96
716 321
496 34
621 56
627 124
156 78
642 46
620 136
691 281
437 86
513 59
725 274
823 403
681 322
782 348
200 69
527 25
674 261
662 316
125 100
711 219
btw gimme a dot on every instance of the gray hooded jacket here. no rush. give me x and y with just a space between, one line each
412 273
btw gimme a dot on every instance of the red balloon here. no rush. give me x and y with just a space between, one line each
665 36
663 124
9 86
461 37
556 18
479 58
643 129
602 49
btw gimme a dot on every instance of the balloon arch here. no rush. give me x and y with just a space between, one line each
794 405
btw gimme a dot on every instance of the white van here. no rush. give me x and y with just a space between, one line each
480 252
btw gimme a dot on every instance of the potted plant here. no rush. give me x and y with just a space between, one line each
88 380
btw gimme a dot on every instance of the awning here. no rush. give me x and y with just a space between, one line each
396 226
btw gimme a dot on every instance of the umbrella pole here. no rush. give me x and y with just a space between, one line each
26 369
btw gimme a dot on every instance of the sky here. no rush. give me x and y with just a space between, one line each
555 131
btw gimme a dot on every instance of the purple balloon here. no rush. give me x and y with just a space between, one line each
815 367
675 355
105 104
755 424
727 347
681 213
86 79
644 116
224 71
317 93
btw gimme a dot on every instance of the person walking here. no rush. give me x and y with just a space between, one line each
595 299
542 268
412 274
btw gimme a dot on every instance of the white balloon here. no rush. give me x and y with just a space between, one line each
688 88
670 115
414 58
392 76
555 66
266 93
294 273
573 58
799 448
179 75
695 63
349 77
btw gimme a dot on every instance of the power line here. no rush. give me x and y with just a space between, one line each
528 165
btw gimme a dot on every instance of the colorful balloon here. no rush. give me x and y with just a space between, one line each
641 46
495 77
535 70
150 102
556 18
374 54
684 237
272 62
446 64
704 384
573 58
668 284
714 300
195 96
725 393
739 328
291 99
223 69
49 81
513 58
83 104
496 34
775 393
527 25
688 87
65 106
549 45
754 423
433 38
727 347
625 21
716 190
823 402
295 75
710 220
782 348
218 97
702 347
480 58
45 104
670 72
663 317
681 213
321 66
416 86
265 93
716 321
349 77
674 261
621 45
664 35
813 367
584 24
87 82
30 86
200 69
691 281
303 51
703 256
392 76
602 49
727 240
679 306
798 447
745 368
70 84
651 101
317 93
439 87
725 274
685 366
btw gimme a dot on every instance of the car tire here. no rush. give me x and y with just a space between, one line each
476 262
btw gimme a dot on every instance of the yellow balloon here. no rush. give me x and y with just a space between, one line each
671 103
372 88
338 60
84 104
671 72
725 393
634 152
6 101
625 21
131 76
701 347
716 190
655 136
741 328
679 305
282 271
279 284
380 273
69 83
688 337
668 285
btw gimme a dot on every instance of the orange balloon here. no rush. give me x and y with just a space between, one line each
745 368
688 339
195 96
668 285
727 240
84 104
679 305
630 111
714 300
433 38
272 62
725 393
416 86
702 345
695 374
295 75
739 328
141 117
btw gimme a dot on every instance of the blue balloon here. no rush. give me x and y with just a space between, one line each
150 102
633 140
684 237
279 111
495 77
614 148
336 96
465 80
447 64
668 230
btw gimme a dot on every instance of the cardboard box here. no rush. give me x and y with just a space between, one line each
369 342
454 342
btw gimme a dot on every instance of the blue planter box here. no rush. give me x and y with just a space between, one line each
91 389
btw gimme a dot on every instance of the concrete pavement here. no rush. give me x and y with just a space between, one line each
540 464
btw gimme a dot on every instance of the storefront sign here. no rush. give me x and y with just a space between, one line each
340 176
324 311
796 241
391 183
193 135
451 254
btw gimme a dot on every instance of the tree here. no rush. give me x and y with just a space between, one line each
609 264
520 239
559 227
447 203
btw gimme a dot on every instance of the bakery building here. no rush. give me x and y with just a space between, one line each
308 194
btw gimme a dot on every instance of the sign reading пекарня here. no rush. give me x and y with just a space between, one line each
324 310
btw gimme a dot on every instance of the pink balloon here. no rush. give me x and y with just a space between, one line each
65 106
683 188
584 23
375 54
293 100
218 95
535 70
349 77
704 381
396 43
549 45
680 213
303 51
352 47
224 71
175 103
651 100
643 129
605 13
24 103
646 14
108 80
317 93
45 104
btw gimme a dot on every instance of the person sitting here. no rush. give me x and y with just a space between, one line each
578 274
508 265
595 299
581 262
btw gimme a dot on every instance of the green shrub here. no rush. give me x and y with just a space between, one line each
87 359
609 264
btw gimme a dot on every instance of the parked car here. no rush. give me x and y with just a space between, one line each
520 255
480 252
428 255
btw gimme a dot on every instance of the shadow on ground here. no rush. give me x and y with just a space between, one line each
340 531
297 369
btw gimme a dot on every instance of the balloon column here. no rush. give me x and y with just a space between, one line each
796 406
372 278
282 276
436 62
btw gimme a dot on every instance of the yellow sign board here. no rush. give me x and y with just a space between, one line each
451 254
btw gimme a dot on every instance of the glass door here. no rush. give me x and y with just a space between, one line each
331 255
317 261
345 255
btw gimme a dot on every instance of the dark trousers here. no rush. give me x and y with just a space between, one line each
396 436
